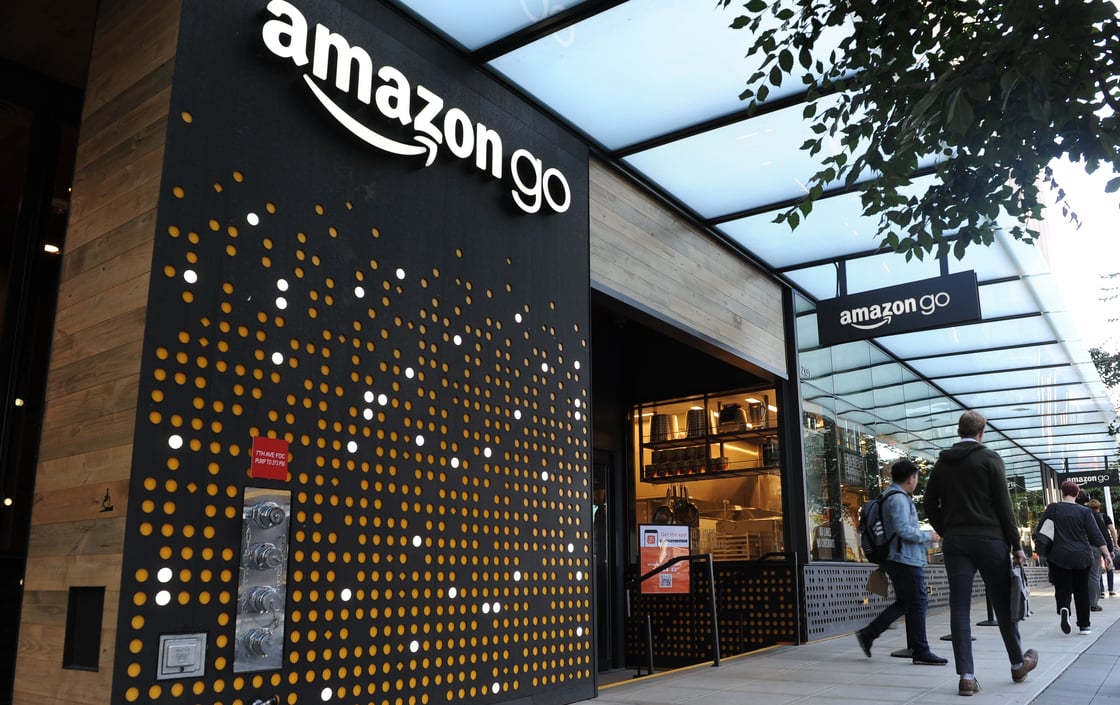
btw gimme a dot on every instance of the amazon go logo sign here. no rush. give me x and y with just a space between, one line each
920 305
322 53
1103 478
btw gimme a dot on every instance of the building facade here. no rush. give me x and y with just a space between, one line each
360 378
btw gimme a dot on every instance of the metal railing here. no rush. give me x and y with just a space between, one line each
707 558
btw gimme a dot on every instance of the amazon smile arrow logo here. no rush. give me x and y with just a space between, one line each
288 36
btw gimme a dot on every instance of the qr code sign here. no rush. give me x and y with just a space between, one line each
665 580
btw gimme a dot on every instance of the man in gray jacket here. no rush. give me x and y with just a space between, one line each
968 504
905 565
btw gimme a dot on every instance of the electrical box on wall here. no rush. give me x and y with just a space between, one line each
181 656
263 580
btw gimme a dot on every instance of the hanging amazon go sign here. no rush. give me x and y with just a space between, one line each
930 303
392 114
1090 480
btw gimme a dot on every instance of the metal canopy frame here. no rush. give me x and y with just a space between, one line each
652 86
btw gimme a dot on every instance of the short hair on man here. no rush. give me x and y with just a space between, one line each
971 424
1094 504
1070 488
902 471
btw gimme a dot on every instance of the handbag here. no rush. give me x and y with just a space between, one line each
877 583
1020 594
1044 539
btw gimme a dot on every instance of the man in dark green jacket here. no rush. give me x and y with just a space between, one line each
967 503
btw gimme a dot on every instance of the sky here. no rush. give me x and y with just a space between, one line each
1079 256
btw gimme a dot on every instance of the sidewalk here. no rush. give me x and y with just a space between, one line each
835 671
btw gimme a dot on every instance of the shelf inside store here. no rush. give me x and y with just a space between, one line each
664 474
753 435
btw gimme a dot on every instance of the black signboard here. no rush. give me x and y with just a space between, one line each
921 305
1016 483
1088 480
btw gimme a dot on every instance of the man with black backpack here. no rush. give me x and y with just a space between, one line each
905 563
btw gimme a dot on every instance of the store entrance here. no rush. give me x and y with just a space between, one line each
636 359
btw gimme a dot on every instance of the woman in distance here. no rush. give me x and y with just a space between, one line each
1077 540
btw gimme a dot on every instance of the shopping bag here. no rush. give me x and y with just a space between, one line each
1044 538
1020 594
877 583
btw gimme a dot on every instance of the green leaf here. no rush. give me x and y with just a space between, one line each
958 116
756 6
1113 185
785 60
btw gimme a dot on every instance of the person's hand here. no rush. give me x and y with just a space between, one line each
1020 557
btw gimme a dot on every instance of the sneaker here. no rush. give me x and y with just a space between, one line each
863 643
930 659
1030 660
1086 631
1111 594
1064 612
968 686
1096 608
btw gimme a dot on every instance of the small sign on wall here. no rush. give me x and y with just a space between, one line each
660 544
270 458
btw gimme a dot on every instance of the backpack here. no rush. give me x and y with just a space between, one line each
872 536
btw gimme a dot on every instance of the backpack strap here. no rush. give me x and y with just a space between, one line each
882 500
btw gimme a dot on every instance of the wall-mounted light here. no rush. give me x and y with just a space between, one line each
18 401
51 249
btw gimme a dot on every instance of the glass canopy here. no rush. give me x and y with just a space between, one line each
654 85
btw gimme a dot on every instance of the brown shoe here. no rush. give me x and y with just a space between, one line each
968 686
1030 660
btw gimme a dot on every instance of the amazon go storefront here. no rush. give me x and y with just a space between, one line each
322 383
360 450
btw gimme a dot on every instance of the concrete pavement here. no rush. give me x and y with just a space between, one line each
1072 669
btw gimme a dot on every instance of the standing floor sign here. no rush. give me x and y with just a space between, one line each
660 544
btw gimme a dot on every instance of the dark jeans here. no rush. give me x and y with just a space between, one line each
910 599
1072 582
964 555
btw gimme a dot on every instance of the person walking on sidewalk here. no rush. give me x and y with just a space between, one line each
1096 577
968 504
1072 553
905 563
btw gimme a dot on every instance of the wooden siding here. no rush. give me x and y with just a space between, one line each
647 256
81 490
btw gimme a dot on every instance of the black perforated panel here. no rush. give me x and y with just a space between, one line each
421 345
756 602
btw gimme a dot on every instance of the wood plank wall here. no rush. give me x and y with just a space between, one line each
645 255
86 446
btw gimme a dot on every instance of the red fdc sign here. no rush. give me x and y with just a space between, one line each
270 458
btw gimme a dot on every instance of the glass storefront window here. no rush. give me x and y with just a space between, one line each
862 411
859 417
711 462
